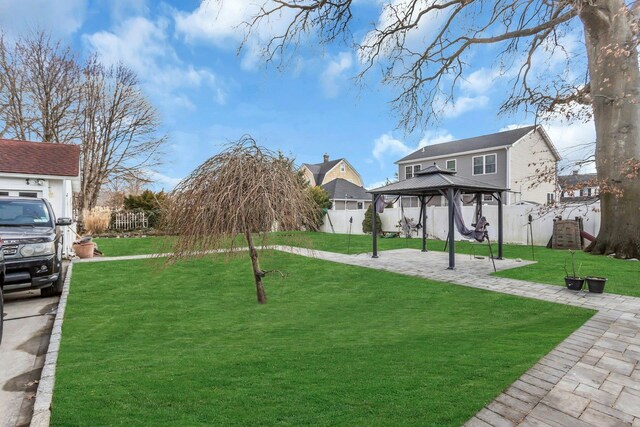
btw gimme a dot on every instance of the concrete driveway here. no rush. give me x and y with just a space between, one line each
28 319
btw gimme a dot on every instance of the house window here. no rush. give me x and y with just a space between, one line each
487 197
28 194
410 171
342 168
360 205
4 193
551 198
484 165
410 202
452 165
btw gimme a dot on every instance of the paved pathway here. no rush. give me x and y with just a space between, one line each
592 378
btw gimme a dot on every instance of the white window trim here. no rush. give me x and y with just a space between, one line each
489 199
410 169
455 164
484 164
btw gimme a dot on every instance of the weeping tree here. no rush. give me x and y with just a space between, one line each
425 49
236 196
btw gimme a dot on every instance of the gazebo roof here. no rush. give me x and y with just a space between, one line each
432 180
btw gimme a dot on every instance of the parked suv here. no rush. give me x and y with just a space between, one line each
32 245
2 270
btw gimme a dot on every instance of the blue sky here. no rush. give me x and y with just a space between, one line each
185 54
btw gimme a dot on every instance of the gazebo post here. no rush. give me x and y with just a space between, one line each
452 253
424 223
500 225
374 233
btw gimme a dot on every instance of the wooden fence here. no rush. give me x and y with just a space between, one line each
126 220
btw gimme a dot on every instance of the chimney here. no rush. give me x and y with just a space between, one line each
325 157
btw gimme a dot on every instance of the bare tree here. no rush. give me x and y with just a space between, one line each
47 95
605 80
40 90
119 128
243 190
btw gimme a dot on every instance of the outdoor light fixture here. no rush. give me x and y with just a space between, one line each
35 181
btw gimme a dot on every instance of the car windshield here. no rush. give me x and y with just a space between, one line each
24 213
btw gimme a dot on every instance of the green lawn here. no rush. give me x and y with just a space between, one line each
624 276
335 345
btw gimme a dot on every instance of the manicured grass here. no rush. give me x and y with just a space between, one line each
335 345
133 245
624 276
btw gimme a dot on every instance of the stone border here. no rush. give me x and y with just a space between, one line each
44 396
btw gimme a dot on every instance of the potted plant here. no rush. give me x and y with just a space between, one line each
596 284
573 282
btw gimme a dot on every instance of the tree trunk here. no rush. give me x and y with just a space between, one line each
615 86
258 274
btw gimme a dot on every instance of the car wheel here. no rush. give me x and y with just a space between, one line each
55 288
1 313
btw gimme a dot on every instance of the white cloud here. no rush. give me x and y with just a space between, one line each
334 73
413 39
435 137
60 18
376 184
222 24
387 149
143 45
464 104
163 181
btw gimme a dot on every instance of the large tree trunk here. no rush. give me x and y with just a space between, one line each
258 274
615 89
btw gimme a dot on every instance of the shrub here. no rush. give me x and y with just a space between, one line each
366 223
321 197
96 220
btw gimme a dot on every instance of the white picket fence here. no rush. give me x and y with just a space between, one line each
127 220
515 219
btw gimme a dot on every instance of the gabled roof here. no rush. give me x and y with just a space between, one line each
39 158
341 189
576 179
319 170
483 142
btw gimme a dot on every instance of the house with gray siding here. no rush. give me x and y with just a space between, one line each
523 160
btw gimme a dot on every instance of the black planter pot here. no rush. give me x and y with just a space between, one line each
574 283
596 284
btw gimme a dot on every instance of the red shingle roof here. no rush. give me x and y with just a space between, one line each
39 158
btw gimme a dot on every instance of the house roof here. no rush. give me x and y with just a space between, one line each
483 142
39 158
576 179
341 189
319 170
432 180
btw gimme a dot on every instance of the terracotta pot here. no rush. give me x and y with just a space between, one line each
84 250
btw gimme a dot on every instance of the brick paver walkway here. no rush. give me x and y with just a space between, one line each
592 378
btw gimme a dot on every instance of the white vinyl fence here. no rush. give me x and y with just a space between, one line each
515 221
126 220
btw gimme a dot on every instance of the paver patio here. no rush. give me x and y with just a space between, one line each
590 379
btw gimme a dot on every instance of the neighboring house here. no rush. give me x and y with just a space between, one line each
514 159
578 187
39 169
341 180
